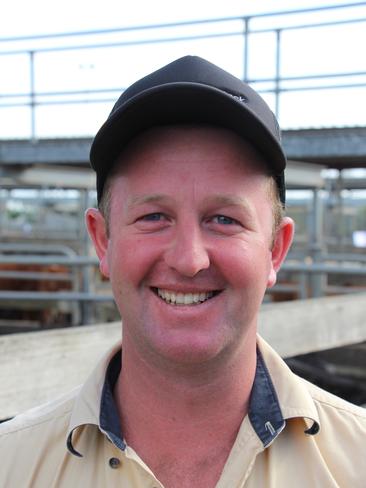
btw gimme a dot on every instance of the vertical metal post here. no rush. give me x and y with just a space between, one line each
303 285
246 49
3 212
32 102
317 280
328 211
277 89
340 212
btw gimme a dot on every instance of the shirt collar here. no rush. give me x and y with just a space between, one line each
109 419
86 410
264 409
277 395
293 395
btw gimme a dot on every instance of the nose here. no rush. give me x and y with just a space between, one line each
187 253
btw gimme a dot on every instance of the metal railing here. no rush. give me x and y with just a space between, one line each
305 279
243 29
300 273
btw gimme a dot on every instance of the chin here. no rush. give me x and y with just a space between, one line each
191 351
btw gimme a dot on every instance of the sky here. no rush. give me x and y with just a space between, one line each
23 17
305 52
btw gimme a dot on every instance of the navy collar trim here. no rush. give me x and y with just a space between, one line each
109 419
109 422
264 410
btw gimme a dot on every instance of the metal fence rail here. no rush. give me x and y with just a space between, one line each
300 271
242 28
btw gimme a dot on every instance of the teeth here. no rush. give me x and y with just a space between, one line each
188 299
184 298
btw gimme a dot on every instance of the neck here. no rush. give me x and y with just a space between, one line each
192 403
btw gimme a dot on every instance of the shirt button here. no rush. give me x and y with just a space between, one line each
114 463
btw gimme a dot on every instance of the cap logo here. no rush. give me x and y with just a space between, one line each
239 98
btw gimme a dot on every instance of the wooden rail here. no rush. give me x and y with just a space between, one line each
36 367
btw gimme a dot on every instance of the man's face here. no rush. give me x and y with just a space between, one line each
189 252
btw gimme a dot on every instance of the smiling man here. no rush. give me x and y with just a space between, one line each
189 249
190 231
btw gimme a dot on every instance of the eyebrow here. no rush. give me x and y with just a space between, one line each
219 200
229 200
154 198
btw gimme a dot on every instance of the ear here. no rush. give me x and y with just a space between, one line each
97 230
281 245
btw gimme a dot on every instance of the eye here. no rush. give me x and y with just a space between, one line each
152 222
153 217
224 220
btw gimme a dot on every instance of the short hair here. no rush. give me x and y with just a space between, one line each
104 204
278 207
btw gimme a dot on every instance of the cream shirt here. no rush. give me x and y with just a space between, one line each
40 448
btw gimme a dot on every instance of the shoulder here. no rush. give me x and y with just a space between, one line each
342 424
33 444
39 418
331 404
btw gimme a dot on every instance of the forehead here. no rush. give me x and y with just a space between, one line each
190 166
185 144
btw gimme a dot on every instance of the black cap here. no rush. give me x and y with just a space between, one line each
189 90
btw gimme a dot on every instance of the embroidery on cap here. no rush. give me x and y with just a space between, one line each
240 98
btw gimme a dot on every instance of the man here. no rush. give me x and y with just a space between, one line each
190 232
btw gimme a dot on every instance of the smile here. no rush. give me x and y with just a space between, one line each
178 298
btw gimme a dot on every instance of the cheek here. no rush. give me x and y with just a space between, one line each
130 259
245 265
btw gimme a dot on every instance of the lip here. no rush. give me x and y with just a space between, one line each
185 288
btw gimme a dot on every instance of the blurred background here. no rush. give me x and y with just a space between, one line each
62 66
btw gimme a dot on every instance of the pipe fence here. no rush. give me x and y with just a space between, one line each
269 39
